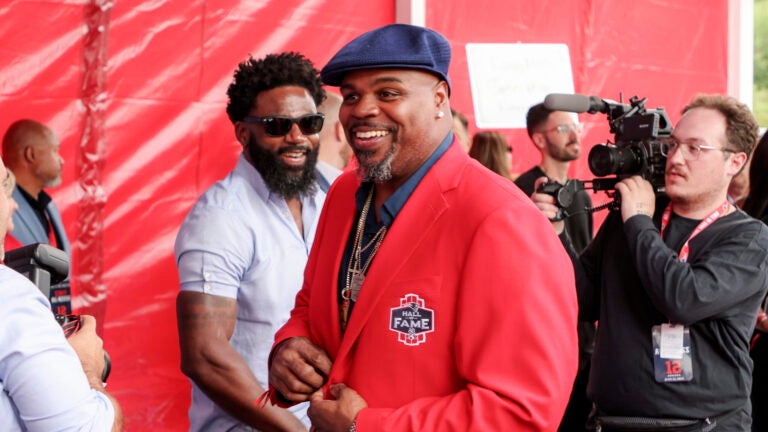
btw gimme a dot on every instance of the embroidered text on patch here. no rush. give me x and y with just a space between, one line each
412 321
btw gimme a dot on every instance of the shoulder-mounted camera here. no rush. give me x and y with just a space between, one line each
639 134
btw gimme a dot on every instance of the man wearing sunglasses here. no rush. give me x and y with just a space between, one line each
557 138
242 249
434 287
675 283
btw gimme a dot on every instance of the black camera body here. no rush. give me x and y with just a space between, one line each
47 267
563 193
639 134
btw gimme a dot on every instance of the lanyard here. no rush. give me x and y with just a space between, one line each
685 250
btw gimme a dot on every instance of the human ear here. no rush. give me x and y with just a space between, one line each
441 95
538 140
736 162
242 133
29 154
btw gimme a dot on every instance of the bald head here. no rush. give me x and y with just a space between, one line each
21 134
31 151
330 107
334 149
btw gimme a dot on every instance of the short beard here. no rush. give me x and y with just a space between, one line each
49 182
280 178
377 173
53 183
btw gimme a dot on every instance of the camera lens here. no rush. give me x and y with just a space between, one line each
605 160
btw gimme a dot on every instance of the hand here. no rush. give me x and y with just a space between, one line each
299 368
89 348
762 322
637 197
335 415
547 204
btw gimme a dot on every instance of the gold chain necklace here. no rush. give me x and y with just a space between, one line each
356 269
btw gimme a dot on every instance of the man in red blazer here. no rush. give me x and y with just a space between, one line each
436 296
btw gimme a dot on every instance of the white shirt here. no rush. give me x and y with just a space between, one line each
42 383
240 241
328 171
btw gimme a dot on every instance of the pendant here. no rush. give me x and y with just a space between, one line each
355 285
344 315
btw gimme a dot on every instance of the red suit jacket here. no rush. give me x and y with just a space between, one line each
467 316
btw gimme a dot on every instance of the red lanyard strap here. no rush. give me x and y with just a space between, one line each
707 221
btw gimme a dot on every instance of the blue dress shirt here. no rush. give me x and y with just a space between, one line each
241 241
42 383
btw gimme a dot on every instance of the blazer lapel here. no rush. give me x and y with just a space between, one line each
424 207
340 218
26 228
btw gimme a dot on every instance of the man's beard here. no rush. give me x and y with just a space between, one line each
53 183
377 173
49 182
279 177
562 154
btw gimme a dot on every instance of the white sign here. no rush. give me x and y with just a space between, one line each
507 79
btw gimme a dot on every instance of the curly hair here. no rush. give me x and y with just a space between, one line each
274 70
741 130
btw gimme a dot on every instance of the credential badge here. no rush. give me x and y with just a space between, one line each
411 320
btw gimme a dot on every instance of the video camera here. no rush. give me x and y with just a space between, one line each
639 134
47 267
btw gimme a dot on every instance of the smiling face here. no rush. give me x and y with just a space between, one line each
701 183
391 119
287 163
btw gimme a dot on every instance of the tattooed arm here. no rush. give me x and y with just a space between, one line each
206 323
637 197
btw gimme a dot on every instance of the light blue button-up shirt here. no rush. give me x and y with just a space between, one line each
240 241
42 384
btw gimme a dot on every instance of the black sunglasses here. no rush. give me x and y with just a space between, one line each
278 126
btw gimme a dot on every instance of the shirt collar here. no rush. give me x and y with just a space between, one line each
395 203
39 203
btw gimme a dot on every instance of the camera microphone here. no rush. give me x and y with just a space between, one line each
575 103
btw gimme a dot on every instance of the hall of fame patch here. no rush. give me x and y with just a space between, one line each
411 320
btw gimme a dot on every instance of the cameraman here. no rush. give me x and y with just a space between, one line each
47 382
676 283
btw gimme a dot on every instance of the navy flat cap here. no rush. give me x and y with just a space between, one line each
395 46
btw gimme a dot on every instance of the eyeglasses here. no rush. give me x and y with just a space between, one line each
566 128
278 126
690 152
